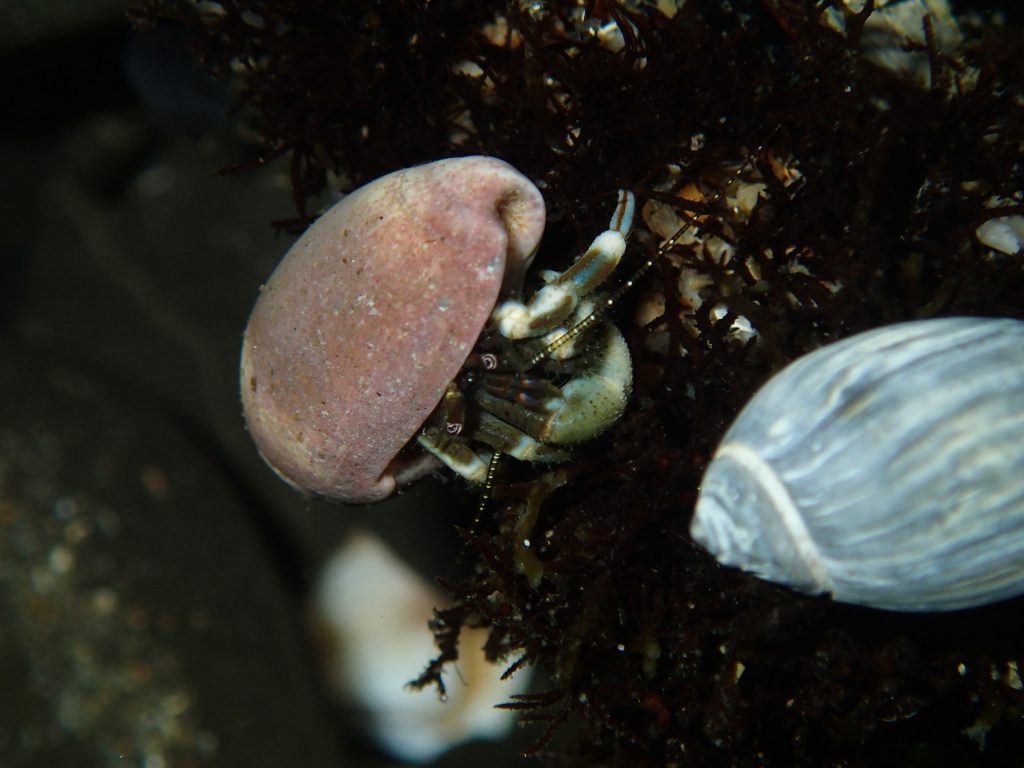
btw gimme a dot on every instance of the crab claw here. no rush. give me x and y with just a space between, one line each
372 313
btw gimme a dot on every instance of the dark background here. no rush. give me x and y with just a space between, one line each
128 267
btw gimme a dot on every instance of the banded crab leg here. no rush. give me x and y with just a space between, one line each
529 417
588 404
449 445
557 300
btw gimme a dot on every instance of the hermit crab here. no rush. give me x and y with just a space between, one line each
362 350
523 413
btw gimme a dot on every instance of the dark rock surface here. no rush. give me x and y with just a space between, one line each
143 618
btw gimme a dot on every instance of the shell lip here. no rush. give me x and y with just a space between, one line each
515 210
408 465
746 518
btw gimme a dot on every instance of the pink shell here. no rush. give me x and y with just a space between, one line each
372 312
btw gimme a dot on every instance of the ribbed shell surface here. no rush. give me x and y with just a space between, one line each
886 469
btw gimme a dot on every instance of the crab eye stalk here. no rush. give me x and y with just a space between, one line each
370 315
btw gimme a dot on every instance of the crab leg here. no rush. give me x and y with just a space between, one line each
557 300
506 438
587 405
455 453
448 436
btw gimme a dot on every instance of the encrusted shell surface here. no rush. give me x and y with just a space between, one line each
372 312
886 469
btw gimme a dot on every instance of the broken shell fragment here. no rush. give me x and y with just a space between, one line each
371 314
1004 234
886 469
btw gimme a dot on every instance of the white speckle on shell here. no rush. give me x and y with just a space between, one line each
886 470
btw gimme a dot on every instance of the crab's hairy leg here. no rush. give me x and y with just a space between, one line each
527 354
625 209
556 301
452 409
522 389
569 349
586 406
506 438
455 454
441 437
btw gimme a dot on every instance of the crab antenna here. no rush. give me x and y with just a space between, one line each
485 494
606 305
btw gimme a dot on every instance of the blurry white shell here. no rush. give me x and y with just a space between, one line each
886 469
370 613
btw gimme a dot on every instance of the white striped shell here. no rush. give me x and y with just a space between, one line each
886 469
